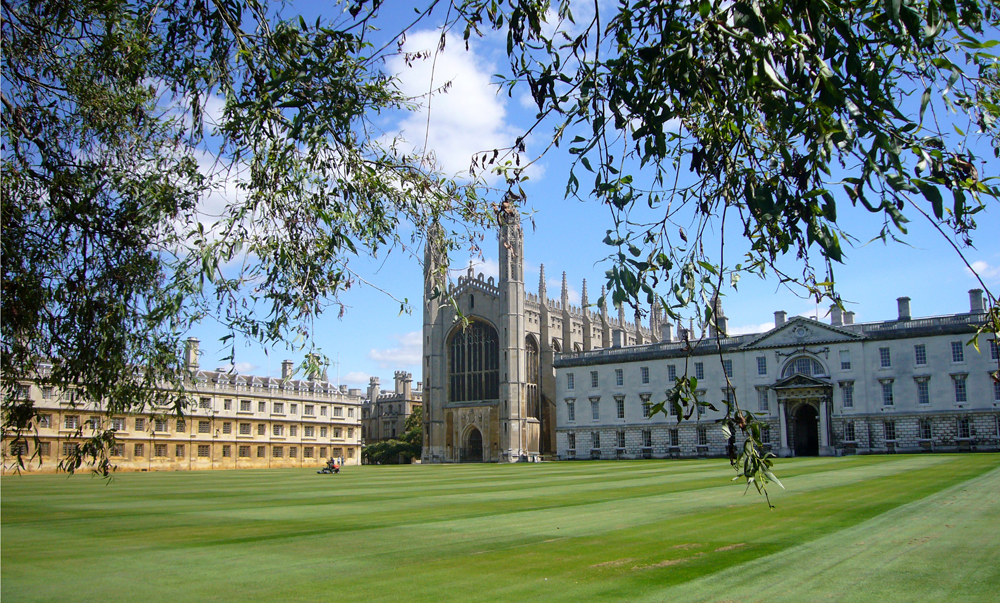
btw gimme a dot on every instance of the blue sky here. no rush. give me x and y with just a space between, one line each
374 339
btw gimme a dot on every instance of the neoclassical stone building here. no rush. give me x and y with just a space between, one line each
489 387
909 384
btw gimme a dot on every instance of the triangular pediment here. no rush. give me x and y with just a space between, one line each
799 380
801 331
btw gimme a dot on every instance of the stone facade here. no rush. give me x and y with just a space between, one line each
903 385
384 413
232 422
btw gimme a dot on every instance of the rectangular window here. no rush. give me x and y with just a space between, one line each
308 410
569 381
619 377
887 399
244 405
765 434
44 421
571 441
261 429
957 352
847 393
960 393
350 432
244 452
309 431
674 438
293 409
672 373
322 452
761 365
278 452
293 452
160 450
763 403
845 360
204 427
703 436
699 370
923 391
69 448
644 374
338 432
727 365
205 403
244 429
293 430
920 354
620 406
307 452
647 438
262 407
338 411
181 426
964 431
279 408
350 415
646 405
593 379
94 423
47 393
322 411
140 424
672 410
278 430
322 432
595 408
261 452
571 410
138 450
890 430
849 431
118 423
160 426
179 451
620 439
884 358
925 429
227 428
994 350
338 452
595 439
204 450
227 451
227 405
996 391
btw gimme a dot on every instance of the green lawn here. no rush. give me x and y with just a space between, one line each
877 528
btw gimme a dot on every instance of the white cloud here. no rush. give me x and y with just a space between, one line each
468 118
356 378
408 353
750 329
985 271
240 368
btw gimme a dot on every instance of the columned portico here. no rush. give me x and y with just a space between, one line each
803 404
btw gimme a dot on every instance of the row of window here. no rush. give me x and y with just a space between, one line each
672 438
202 450
801 365
922 383
925 430
203 427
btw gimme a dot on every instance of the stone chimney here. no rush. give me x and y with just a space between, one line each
836 315
904 307
617 338
373 389
666 332
848 318
191 353
287 369
975 301
779 318
404 385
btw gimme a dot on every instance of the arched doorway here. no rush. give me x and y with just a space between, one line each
474 446
806 431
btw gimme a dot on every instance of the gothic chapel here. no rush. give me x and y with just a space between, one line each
489 388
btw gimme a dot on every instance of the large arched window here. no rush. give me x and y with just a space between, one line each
531 359
474 363
803 365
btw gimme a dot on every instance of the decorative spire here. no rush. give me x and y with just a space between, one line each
565 292
604 302
583 296
541 285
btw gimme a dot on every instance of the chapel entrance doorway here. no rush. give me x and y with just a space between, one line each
806 431
474 447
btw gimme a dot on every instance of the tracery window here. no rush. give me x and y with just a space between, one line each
531 358
803 365
474 363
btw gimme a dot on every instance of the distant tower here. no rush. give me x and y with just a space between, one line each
588 327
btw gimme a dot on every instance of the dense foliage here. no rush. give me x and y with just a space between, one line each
402 450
